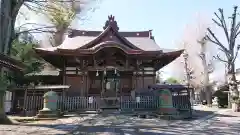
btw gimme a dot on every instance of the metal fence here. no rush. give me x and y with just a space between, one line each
78 103
144 103
35 103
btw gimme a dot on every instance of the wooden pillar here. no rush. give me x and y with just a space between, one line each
64 72
87 82
143 78
64 76
13 99
25 99
83 90
154 77
136 79
103 83
120 85
137 72
127 63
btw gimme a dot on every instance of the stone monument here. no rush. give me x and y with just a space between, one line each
50 106
215 101
165 102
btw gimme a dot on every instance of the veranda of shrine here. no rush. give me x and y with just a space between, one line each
107 67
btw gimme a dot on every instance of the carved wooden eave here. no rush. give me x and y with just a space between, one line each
101 46
87 52
11 63
159 58
166 58
80 44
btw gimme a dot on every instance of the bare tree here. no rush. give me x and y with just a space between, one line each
208 68
229 49
199 62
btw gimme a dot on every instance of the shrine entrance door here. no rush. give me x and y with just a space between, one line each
110 90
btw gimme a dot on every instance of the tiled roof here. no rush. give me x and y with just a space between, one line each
143 43
78 38
48 70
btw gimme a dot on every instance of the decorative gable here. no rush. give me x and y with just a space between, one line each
110 33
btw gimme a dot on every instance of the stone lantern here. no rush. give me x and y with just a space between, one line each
50 105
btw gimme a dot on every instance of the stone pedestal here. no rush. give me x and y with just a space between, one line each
50 106
235 107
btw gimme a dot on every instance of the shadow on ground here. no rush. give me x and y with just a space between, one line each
7 121
215 126
125 124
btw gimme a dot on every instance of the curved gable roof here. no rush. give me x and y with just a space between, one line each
82 39
109 31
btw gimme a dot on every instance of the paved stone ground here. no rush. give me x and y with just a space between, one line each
58 127
224 123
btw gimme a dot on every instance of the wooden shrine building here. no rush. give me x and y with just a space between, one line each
9 66
108 63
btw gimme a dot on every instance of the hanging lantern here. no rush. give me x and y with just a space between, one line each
104 72
97 74
115 71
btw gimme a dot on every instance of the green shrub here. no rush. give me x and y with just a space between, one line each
222 98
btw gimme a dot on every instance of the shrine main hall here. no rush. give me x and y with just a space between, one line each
108 63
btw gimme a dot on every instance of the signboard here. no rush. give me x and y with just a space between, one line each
90 100
7 106
138 99
108 85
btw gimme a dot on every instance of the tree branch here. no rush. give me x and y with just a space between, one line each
223 22
216 22
236 54
233 34
237 34
37 29
236 30
217 57
217 42
209 39
43 25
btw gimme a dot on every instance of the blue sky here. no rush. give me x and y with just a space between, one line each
167 18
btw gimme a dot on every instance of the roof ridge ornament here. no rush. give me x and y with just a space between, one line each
150 35
111 22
